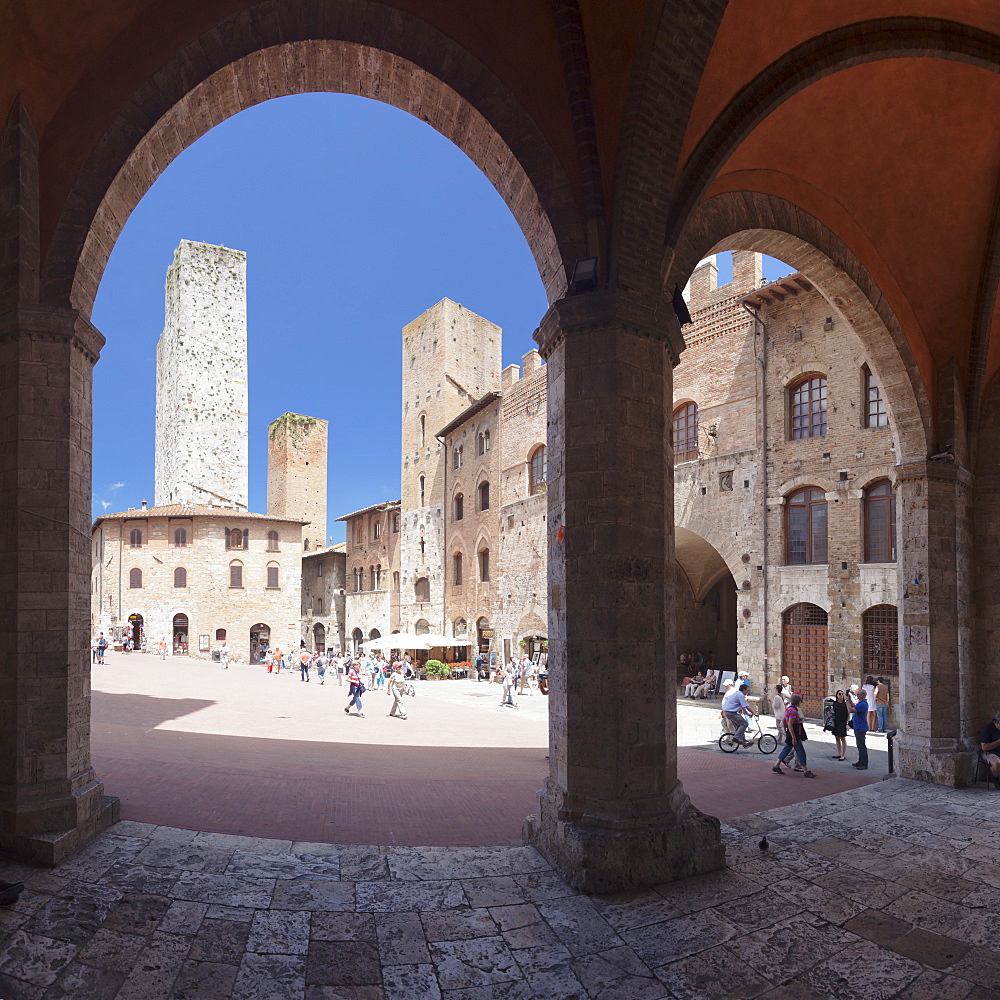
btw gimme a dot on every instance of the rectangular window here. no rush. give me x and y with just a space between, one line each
459 507
377 530
876 414
236 576
818 515
319 569
457 574
484 496
797 535
319 605
484 565
272 577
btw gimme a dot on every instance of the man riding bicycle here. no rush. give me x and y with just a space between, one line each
736 708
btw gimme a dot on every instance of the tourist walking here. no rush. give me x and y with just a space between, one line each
795 736
860 726
395 690
840 717
224 656
102 647
269 661
509 680
356 690
778 707
320 661
305 657
162 645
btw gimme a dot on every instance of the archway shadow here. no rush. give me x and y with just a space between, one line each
141 709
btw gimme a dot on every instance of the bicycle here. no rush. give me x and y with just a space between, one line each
766 742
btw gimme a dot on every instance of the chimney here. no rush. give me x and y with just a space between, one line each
143 504
530 363
509 376
704 281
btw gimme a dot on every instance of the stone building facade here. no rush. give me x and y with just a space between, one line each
324 583
198 576
297 448
372 573
201 380
791 547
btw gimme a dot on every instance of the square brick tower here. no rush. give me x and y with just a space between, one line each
451 359
201 380
296 474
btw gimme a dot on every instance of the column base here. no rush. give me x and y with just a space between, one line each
947 762
596 859
52 846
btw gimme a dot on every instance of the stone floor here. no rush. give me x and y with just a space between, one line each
887 890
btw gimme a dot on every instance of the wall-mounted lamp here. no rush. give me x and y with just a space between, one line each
584 275
712 430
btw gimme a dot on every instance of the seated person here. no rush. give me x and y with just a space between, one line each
695 683
708 688
989 742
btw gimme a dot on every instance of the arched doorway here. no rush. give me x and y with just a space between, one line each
180 633
319 638
374 634
260 641
136 630
804 655
357 637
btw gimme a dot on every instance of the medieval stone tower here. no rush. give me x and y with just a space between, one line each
451 359
201 380
296 474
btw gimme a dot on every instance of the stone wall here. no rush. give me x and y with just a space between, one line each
296 474
324 578
201 380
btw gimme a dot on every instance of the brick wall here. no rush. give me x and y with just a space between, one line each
296 474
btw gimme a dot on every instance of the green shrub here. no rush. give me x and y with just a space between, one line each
435 668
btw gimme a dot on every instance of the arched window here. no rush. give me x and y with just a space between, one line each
456 572
880 640
135 539
377 529
456 458
484 496
273 582
359 578
319 634
805 527
220 635
484 442
272 541
807 407
236 575
422 483
459 506
378 577
423 430
359 533
371 578
180 538
180 577
237 538
319 605
135 579
395 524
880 522
422 590
461 629
422 627
484 565
536 470
305 545
686 432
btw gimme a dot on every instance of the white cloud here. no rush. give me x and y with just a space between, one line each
115 487
105 504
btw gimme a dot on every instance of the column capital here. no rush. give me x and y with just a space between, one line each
610 309
938 470
53 324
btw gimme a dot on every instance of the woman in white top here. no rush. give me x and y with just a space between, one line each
869 689
778 707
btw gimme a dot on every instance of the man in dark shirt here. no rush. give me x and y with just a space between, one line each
989 740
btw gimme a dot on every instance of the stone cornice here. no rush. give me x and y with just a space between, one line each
50 323
609 310
941 470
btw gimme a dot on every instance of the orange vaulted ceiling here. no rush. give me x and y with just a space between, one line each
900 156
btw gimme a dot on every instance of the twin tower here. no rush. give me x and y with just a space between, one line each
202 400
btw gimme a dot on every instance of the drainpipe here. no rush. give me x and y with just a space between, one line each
761 358
444 540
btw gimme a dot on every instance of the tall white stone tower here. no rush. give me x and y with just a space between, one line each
201 380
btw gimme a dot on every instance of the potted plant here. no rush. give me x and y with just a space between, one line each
436 670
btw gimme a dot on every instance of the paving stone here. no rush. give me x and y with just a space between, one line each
35 958
308 847
793 990
130 828
183 917
309 895
270 977
934 985
78 982
866 973
401 939
138 913
980 966
548 973
222 941
475 962
154 973
241 914
882 928
388 897
138 878
226 890
343 927
364 864
510 917
617 974
185 857
113 950
718 973
204 981
862 887
343 963
410 982
279 932
786 949
817 899
470 863
935 950
579 925
542 885
279 866
456 925
659 944
518 990
232 842
316 992
537 935
703 891
503 890
76 914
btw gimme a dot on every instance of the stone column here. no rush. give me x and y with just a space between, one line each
50 799
938 722
612 813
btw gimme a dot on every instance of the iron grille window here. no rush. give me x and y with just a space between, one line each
880 522
876 413
805 527
686 432
880 640
807 407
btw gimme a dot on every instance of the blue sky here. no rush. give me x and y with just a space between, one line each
355 218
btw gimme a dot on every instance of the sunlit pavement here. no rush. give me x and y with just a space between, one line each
187 744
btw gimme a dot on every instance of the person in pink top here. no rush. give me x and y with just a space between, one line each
356 689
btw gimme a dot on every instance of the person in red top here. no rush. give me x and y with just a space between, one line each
355 690
794 734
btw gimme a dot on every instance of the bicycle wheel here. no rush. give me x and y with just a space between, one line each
767 743
728 743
